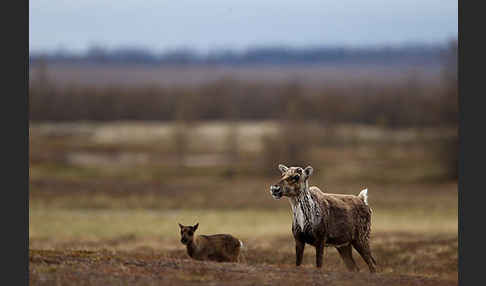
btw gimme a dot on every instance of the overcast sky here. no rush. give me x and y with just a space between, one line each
204 25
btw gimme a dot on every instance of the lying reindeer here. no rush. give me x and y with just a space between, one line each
218 247
322 219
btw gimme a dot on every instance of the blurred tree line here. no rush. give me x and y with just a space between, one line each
410 55
406 105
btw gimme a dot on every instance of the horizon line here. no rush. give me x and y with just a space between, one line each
236 50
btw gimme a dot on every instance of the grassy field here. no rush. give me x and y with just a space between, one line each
105 200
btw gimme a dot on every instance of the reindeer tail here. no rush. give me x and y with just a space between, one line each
243 248
364 196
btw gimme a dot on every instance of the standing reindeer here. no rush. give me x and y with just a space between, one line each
322 220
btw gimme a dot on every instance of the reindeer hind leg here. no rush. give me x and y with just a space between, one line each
346 253
363 249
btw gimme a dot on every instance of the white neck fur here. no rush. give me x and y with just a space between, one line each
304 209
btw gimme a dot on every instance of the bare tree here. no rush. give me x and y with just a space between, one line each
184 123
449 153
231 112
293 141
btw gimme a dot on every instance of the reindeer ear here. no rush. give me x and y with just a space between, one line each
180 225
195 226
308 171
282 168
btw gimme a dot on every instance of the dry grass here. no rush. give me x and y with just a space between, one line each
92 224
108 268
418 241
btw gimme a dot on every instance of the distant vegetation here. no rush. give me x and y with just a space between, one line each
411 103
406 55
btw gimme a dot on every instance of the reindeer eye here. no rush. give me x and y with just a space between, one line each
296 178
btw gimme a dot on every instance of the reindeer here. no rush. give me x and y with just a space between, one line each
323 220
218 247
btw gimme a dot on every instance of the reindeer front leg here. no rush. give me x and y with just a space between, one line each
299 252
319 253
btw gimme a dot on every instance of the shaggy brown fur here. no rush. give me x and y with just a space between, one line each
218 247
322 219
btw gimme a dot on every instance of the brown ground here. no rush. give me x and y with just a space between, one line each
403 259
261 267
99 268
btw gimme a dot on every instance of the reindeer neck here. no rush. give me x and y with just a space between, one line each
191 248
304 194
304 208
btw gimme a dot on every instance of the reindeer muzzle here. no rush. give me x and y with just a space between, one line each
276 191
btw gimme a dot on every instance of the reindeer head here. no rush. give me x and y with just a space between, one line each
187 233
292 182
